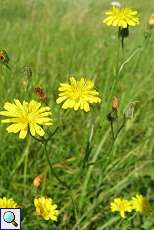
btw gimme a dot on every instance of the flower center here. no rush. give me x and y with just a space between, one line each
27 118
77 93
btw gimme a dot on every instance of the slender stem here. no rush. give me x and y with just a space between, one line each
141 222
63 184
116 75
138 49
132 223
8 67
112 130
88 149
90 170
122 42
52 170
26 152
121 127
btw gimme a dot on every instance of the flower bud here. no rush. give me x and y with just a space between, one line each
37 181
4 58
41 94
112 116
115 102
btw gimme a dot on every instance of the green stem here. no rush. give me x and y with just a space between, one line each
141 222
90 170
23 157
116 75
52 169
88 149
26 153
63 184
112 130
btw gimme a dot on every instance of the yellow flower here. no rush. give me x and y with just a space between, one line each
121 17
151 20
140 204
78 94
26 117
46 208
121 205
7 203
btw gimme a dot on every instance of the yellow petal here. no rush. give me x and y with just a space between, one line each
14 128
39 130
22 134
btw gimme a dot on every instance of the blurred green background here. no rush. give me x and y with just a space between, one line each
63 38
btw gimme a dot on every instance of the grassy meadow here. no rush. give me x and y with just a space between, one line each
59 39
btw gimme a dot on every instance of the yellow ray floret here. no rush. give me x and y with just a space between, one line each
121 17
26 117
78 94
121 205
140 204
46 208
7 203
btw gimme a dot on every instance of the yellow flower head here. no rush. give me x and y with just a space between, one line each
26 117
46 208
121 17
7 203
121 205
140 204
151 20
78 94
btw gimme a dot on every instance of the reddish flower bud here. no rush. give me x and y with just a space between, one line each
37 181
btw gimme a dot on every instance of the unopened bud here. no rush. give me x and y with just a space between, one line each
112 116
115 102
41 94
37 181
4 58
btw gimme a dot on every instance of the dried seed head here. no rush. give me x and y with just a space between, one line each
27 71
116 4
37 181
115 102
129 110
65 217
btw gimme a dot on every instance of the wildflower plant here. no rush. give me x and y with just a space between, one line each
46 208
140 204
78 94
121 205
26 118
84 182
122 18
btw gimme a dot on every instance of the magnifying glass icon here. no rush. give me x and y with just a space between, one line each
9 217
